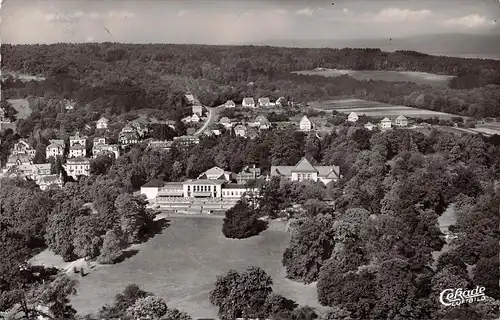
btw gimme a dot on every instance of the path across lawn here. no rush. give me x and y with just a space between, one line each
182 263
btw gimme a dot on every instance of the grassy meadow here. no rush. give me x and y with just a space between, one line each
392 76
182 263
376 109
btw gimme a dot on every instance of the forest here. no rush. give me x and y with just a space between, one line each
370 254
117 78
395 185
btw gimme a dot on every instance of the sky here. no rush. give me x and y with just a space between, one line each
238 21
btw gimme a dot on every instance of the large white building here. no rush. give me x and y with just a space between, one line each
77 146
100 147
306 171
54 149
215 183
77 167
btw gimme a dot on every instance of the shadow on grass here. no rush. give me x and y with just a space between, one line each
126 254
156 227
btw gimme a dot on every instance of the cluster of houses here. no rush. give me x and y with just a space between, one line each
385 124
20 163
221 189
246 130
264 102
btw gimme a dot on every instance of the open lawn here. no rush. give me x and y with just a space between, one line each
376 109
393 76
182 263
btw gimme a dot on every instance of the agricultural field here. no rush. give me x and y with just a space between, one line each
182 263
376 109
488 128
392 76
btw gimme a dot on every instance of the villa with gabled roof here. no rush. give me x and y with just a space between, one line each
307 169
248 103
401 121
218 174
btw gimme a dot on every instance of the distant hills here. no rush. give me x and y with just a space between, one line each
460 45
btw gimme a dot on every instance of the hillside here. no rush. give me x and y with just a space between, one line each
459 45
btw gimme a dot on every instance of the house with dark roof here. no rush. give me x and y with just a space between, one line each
307 169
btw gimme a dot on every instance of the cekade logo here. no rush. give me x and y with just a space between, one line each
455 297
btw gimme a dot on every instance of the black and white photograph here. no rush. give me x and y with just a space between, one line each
250 160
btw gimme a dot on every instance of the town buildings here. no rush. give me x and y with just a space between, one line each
160 145
353 117
128 135
77 167
186 140
386 123
100 147
230 104
23 147
305 124
240 131
213 184
77 146
261 123
102 123
264 102
248 103
369 126
226 122
307 170
197 109
401 121
55 149
18 159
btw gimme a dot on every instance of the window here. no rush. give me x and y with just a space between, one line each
308 177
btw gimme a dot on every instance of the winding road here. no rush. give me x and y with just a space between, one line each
212 117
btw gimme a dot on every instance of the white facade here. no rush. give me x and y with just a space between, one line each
386 123
305 124
77 167
77 151
102 123
401 121
353 117
248 103
369 126
240 131
54 149
264 102
22 147
230 104
197 109
195 118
